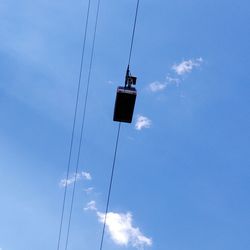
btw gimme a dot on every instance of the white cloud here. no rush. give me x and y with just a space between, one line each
88 190
120 228
86 176
187 66
172 80
157 86
75 177
142 122
180 69
122 232
91 206
110 82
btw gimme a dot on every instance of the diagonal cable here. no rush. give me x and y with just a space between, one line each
82 123
133 32
73 127
118 133
110 184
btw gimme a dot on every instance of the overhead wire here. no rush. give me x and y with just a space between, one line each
73 126
133 32
82 128
110 184
83 122
118 135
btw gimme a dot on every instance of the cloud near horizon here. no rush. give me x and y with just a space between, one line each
75 177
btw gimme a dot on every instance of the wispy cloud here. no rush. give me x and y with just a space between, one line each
75 177
86 176
110 82
91 206
122 232
172 80
187 66
180 69
157 86
120 228
142 122
88 190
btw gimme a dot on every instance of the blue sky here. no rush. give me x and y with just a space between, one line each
182 176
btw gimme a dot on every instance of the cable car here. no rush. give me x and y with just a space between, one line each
125 100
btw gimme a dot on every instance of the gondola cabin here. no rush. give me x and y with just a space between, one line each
124 104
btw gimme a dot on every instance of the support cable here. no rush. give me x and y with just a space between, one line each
133 33
118 133
73 127
110 184
83 123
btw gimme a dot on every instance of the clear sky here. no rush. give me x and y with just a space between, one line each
182 178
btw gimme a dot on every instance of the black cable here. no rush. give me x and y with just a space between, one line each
133 33
110 184
73 127
83 123
118 133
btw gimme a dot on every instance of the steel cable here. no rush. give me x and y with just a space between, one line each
83 123
118 134
110 185
73 127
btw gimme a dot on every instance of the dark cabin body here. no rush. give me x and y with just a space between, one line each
124 104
